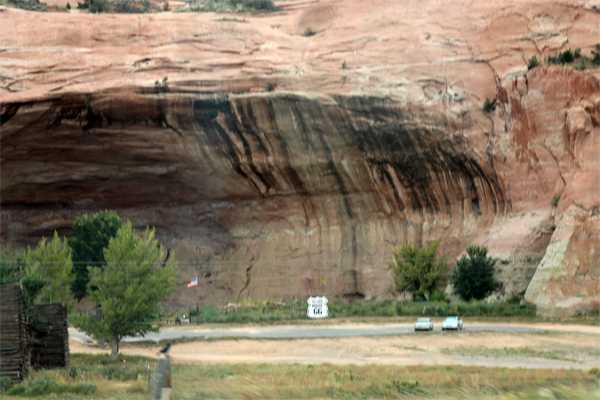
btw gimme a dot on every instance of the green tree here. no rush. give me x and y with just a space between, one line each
129 288
12 265
418 269
89 237
51 262
473 275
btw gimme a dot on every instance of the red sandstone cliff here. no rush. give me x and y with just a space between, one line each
253 189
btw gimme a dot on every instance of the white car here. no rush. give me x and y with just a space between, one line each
423 324
452 323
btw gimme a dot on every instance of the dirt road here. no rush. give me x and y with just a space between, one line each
515 345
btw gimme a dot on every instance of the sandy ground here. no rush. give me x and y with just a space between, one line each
580 344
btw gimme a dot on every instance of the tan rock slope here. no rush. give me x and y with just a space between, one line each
254 190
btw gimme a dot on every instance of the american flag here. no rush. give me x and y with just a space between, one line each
194 282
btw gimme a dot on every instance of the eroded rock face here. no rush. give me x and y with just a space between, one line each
567 281
255 191
274 187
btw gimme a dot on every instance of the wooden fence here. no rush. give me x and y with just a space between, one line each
13 338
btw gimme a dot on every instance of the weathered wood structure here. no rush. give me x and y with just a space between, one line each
13 337
52 329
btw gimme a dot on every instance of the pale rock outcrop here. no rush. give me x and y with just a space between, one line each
567 281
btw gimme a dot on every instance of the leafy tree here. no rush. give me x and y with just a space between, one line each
129 287
89 237
418 269
473 275
51 262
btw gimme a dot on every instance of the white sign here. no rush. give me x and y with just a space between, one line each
317 307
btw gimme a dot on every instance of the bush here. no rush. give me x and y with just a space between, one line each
567 57
555 200
418 269
68 6
309 32
473 275
344 65
271 86
532 63
489 105
596 55
99 6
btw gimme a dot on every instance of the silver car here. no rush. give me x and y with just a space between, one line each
423 324
452 323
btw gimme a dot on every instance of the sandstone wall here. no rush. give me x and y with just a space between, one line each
253 191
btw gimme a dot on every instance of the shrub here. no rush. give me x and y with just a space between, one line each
567 57
99 6
309 32
271 86
418 269
532 63
555 200
596 55
473 275
124 7
577 53
489 105
68 6
166 6
344 65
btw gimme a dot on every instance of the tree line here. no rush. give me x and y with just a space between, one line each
123 272
419 270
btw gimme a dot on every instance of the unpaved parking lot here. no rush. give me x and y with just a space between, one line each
570 346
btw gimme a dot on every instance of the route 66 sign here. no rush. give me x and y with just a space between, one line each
317 307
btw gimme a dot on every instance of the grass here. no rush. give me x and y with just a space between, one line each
412 348
509 352
298 381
